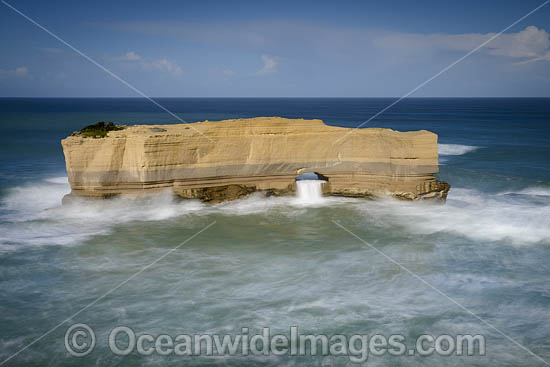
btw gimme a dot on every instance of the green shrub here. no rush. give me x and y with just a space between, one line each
100 129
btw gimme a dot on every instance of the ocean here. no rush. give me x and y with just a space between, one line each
478 264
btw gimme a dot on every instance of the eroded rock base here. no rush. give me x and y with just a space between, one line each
436 191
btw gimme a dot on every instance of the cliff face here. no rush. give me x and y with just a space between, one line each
215 161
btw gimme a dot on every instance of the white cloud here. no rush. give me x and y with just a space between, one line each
130 56
20 71
270 66
306 40
163 65
531 42
228 72
167 66
545 57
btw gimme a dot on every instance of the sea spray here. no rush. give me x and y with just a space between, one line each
33 213
309 191
455 149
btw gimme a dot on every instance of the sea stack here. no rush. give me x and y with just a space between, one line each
224 160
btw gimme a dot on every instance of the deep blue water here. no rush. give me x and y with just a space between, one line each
271 262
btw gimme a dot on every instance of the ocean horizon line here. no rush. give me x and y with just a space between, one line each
394 97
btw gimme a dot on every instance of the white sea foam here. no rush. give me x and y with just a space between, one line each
30 201
455 149
33 214
468 213
309 191
58 180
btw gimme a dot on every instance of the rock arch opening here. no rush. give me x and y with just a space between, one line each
311 176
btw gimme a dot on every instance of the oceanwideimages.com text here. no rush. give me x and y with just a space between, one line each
80 340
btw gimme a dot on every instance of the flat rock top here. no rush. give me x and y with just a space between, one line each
250 126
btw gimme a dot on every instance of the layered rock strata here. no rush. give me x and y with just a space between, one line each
224 160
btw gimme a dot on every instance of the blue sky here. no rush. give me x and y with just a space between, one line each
275 48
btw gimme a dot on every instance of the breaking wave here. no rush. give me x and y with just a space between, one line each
33 214
455 149
471 214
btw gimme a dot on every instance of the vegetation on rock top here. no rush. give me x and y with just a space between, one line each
100 129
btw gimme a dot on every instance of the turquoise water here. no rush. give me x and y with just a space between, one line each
280 262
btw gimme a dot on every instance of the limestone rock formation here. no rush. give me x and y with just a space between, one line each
224 160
